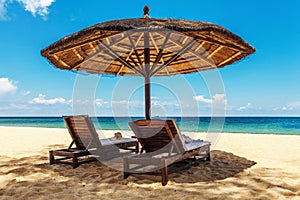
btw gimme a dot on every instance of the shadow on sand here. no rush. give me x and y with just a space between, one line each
32 177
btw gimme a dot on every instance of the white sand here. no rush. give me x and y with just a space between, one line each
232 173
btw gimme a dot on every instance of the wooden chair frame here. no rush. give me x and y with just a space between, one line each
86 140
174 151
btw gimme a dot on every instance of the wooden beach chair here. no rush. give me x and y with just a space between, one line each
164 145
87 142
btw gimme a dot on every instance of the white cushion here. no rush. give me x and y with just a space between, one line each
110 141
195 144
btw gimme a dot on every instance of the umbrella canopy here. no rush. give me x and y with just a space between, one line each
148 47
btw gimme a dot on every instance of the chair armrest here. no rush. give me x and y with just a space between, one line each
70 146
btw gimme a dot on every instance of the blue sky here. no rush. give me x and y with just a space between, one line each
264 84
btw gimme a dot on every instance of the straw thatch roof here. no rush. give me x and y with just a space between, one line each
175 46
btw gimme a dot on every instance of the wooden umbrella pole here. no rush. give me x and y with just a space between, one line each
147 76
147 98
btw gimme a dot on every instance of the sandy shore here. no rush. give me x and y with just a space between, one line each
243 166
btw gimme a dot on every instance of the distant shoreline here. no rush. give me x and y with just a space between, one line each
242 125
262 116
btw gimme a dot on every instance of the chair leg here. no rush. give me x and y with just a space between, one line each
75 161
164 173
137 148
208 154
51 157
208 157
126 168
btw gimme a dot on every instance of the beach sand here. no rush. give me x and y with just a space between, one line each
242 166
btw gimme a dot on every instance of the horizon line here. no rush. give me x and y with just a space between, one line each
44 116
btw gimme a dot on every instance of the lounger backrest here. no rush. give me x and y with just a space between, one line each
82 131
176 133
158 135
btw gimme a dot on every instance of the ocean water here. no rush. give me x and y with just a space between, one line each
251 125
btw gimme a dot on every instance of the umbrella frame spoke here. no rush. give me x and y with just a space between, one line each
186 48
160 53
121 60
193 52
133 46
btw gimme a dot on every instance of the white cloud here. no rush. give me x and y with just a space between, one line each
202 99
295 105
122 102
7 86
245 107
142 103
3 10
26 93
284 108
165 103
81 102
288 107
100 102
217 99
39 7
217 104
41 99
97 102
154 98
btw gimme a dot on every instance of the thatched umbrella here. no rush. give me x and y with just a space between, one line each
148 47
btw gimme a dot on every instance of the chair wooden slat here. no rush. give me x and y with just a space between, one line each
86 140
157 138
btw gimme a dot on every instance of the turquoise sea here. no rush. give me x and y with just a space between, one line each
251 125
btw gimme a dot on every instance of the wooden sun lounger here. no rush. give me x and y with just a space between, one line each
87 143
164 145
